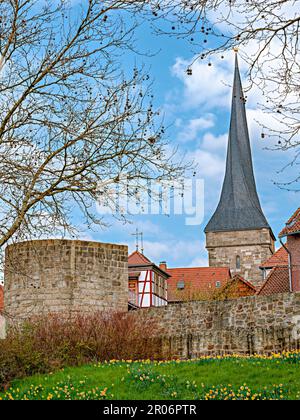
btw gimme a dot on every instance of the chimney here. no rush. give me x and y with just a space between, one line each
293 245
163 265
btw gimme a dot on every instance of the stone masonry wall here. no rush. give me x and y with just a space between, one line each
293 243
2 327
252 246
248 325
65 276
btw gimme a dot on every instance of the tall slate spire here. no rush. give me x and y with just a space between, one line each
239 207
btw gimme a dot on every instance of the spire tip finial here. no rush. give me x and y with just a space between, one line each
236 49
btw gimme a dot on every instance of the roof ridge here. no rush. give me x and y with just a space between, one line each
140 256
292 225
276 258
269 277
248 283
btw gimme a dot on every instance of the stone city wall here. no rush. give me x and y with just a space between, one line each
246 326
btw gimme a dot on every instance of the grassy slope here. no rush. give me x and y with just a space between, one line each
167 380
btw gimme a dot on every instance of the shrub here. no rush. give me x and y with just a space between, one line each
55 341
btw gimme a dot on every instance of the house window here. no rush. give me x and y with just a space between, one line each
238 262
218 284
180 285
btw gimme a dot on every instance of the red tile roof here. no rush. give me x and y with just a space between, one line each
136 258
292 225
1 298
196 280
276 282
280 258
237 277
235 288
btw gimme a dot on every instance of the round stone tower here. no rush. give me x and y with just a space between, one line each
50 276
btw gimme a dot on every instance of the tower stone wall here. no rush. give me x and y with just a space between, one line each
252 247
65 276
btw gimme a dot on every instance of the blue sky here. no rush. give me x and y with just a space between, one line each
197 111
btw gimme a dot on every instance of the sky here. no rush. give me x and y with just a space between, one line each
196 111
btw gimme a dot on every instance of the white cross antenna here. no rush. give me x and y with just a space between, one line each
139 235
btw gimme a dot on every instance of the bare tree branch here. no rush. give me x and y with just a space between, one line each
72 116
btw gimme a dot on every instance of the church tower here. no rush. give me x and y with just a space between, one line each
238 234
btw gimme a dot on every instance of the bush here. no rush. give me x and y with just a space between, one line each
55 341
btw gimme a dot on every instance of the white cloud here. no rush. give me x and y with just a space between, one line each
208 86
209 165
148 227
199 262
173 249
215 143
190 131
258 119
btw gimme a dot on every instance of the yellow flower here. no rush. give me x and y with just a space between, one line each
103 393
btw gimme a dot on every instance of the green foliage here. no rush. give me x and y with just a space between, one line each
51 343
274 377
64 390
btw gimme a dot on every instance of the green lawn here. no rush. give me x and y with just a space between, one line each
207 378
